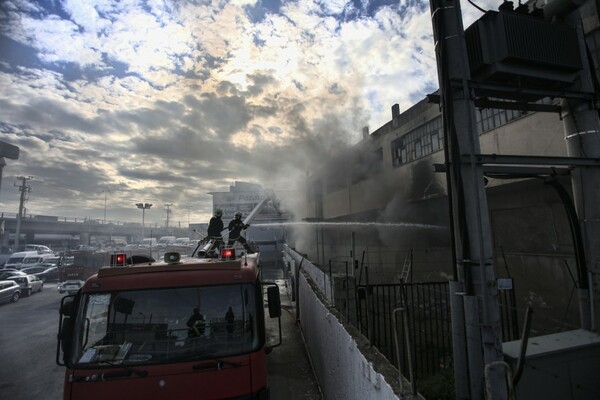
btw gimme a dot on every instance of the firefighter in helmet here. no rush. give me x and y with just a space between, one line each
235 232
215 227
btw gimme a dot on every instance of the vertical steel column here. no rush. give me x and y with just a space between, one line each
472 231
581 123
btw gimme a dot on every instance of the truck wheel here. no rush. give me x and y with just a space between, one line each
15 297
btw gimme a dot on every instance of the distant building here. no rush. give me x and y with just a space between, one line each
244 197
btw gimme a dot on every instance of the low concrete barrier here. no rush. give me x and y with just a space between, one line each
346 366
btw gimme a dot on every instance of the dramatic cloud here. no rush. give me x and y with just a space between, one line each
165 101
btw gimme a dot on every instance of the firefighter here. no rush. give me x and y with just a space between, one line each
215 226
229 318
196 324
235 232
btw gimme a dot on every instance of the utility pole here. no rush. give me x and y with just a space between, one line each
476 325
9 151
25 189
168 207
581 121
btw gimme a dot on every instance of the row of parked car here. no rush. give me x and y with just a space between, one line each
25 273
14 284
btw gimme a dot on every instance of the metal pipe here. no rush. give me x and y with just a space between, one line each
369 316
330 284
396 342
347 295
411 369
592 307
523 350
358 290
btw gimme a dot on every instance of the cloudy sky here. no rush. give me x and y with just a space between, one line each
164 101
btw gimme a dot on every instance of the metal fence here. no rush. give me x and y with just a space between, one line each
426 323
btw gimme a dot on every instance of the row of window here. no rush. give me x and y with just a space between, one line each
420 142
429 137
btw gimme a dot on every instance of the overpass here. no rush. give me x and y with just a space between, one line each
85 228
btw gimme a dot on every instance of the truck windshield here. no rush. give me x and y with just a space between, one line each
166 325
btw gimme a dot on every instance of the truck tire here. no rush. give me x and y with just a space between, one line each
15 297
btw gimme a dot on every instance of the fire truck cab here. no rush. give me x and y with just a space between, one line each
191 328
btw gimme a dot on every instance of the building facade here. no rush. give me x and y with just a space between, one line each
383 202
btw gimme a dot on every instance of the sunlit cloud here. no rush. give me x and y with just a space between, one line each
169 100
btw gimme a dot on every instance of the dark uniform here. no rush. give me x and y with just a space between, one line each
215 227
229 318
235 232
196 324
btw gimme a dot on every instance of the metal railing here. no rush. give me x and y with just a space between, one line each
426 319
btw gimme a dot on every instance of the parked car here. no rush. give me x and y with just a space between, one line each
38 247
149 242
5 273
33 270
29 283
37 260
182 241
16 259
9 291
49 274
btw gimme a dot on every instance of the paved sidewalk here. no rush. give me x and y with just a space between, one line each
290 373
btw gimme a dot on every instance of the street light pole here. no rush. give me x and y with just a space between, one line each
168 208
143 207
104 220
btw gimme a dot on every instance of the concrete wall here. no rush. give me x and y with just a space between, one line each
345 365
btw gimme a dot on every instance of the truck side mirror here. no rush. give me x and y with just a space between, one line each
274 301
65 331
66 338
67 306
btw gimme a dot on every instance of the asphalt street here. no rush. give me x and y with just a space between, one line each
28 331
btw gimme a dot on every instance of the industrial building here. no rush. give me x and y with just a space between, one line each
394 207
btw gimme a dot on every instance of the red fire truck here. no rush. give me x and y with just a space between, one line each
191 328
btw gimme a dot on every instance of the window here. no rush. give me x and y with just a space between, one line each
418 143
166 325
491 118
